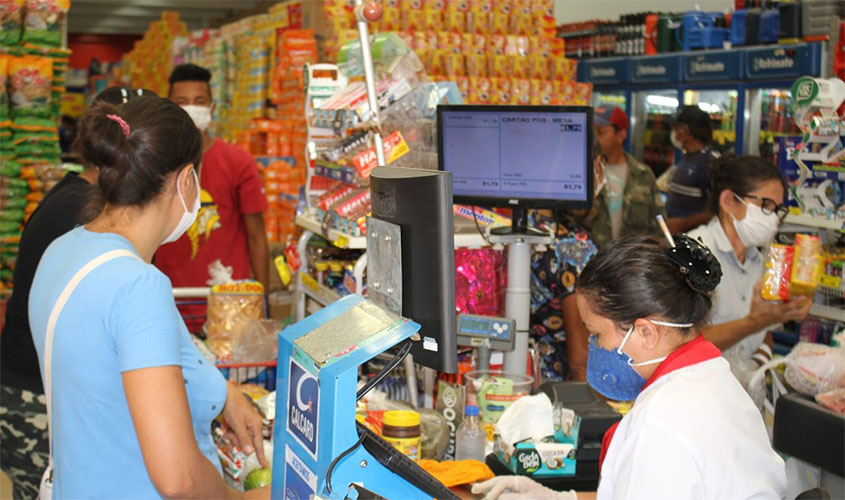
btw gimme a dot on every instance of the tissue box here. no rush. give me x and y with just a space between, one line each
538 459
542 459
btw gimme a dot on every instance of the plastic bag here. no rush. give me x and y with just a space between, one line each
232 307
258 343
43 22
835 399
30 79
11 20
814 368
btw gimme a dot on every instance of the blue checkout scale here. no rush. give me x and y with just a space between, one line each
317 379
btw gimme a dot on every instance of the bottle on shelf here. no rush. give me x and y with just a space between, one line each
471 438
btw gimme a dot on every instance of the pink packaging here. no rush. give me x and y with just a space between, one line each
480 280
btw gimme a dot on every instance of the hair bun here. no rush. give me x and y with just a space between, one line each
702 269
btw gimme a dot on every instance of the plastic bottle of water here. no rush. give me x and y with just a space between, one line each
471 438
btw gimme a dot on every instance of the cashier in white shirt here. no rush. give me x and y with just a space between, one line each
693 432
746 194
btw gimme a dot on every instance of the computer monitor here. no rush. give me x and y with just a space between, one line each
420 203
518 156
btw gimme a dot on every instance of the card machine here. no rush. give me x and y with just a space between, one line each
486 331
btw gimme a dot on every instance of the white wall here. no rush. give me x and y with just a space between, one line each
569 11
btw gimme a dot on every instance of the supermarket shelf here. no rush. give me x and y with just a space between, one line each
341 240
316 291
828 312
815 222
335 237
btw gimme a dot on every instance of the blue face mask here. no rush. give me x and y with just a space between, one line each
611 372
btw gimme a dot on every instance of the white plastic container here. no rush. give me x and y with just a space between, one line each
471 438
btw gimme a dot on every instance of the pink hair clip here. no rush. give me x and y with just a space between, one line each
120 121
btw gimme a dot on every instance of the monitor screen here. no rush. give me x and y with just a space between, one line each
519 156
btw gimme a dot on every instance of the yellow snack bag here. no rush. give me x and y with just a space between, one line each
806 265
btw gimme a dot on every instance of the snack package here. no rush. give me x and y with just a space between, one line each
233 307
44 19
806 265
30 80
778 272
4 95
11 21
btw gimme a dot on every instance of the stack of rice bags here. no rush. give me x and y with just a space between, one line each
32 79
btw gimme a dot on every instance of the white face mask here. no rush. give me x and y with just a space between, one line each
675 142
756 229
188 218
201 115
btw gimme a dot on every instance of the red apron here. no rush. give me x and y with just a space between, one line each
693 352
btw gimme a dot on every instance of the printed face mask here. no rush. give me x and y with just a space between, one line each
611 372
188 218
201 115
756 229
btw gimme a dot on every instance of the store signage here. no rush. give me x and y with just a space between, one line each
713 65
303 408
788 61
300 481
804 90
604 71
656 69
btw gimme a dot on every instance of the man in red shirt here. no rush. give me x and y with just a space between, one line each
230 224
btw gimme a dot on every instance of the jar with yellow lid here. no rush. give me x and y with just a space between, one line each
402 429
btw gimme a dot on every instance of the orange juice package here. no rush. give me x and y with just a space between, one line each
456 43
496 45
421 41
391 20
498 66
434 5
478 17
476 65
416 21
806 265
778 272
539 67
455 20
458 5
535 88
455 65
522 91
499 24
433 19
521 67
583 92
443 40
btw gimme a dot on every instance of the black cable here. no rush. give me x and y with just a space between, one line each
398 358
393 363
338 458
475 219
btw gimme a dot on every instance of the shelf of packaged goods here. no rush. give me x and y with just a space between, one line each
815 222
724 136
316 291
336 238
828 312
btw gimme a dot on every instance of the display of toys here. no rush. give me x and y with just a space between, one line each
820 116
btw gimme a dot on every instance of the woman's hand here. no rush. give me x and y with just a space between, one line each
262 493
764 313
518 488
246 424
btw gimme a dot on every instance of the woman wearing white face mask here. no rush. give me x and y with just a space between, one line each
746 194
130 398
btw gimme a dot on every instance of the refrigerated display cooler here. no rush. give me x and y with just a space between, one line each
745 90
